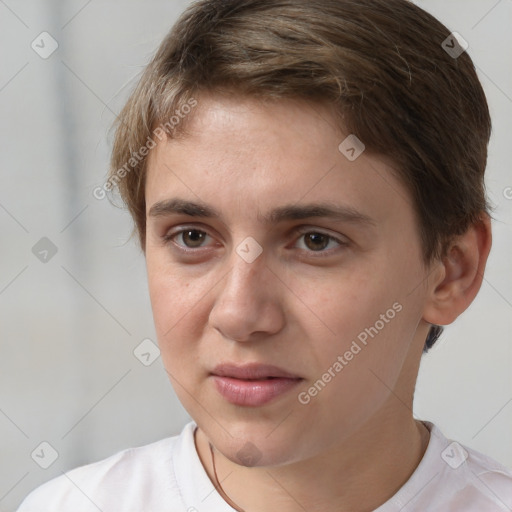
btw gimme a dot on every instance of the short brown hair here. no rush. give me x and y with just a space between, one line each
380 64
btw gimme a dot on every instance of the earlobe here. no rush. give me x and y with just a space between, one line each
460 274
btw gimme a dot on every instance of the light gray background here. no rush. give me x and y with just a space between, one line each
68 327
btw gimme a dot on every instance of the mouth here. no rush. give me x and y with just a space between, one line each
252 385
252 371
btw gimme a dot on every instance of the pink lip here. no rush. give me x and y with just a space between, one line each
252 392
250 385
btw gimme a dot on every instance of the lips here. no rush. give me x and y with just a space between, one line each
252 385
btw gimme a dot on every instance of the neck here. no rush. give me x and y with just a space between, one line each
359 474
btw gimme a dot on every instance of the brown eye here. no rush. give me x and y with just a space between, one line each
190 238
316 241
193 237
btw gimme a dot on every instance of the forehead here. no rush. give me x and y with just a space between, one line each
243 153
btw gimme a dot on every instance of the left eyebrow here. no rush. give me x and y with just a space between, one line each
311 210
280 214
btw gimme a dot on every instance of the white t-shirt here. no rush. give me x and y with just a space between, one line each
168 476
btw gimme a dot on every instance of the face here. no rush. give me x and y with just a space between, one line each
334 300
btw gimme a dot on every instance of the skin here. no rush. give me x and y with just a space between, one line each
356 442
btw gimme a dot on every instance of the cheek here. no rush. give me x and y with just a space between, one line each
344 303
366 315
175 304
356 367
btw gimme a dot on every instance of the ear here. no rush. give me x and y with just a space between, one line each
459 274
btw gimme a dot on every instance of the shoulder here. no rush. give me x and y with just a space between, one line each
129 480
454 477
484 478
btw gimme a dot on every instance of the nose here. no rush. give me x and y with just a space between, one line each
248 301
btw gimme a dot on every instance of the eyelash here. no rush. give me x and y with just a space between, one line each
168 239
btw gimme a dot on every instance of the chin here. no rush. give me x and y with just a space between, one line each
253 447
